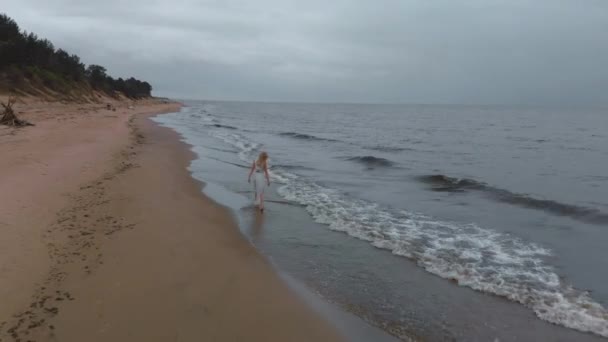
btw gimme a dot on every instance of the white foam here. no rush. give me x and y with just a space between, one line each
479 258
246 148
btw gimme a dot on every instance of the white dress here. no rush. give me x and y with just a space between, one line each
259 182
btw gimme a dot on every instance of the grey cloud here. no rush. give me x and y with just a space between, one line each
472 51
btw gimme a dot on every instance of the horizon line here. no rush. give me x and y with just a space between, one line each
441 104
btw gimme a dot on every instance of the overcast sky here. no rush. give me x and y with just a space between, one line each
399 51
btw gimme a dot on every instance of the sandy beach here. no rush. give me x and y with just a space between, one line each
106 237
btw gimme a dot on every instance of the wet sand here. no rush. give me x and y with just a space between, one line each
106 237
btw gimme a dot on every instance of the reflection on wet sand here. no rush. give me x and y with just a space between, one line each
257 225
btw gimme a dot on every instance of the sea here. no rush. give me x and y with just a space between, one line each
430 222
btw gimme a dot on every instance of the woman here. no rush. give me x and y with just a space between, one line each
260 167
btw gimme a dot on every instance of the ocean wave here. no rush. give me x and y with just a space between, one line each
221 149
472 256
441 182
371 161
223 126
291 167
229 163
207 119
246 148
450 184
304 136
388 148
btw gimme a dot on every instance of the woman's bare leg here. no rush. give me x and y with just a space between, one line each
255 191
262 201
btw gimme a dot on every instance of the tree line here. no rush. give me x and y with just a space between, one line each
29 61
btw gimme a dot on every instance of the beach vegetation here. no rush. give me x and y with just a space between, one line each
30 64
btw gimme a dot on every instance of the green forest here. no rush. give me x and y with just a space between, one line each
31 64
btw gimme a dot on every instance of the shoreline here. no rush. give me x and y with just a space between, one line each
307 233
128 247
349 325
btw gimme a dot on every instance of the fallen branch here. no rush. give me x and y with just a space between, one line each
9 118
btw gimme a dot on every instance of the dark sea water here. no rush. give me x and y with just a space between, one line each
433 222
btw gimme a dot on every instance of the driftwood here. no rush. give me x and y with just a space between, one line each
9 118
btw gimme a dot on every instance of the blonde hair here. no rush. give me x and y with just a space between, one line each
262 158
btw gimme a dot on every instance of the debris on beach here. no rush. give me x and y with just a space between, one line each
9 118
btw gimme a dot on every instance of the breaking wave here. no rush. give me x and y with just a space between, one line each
388 148
371 161
476 257
472 256
451 184
223 126
303 136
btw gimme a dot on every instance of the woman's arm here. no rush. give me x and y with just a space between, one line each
251 172
266 173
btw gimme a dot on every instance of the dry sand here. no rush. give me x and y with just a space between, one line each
105 237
